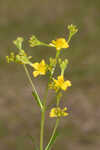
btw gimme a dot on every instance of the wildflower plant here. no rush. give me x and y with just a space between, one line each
57 84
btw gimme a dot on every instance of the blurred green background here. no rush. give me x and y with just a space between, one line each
19 115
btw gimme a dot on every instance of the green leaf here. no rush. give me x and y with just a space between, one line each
52 141
37 99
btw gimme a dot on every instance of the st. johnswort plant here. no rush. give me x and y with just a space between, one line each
57 84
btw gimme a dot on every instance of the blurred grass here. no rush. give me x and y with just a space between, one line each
48 20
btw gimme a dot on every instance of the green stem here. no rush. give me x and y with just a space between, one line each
44 109
43 120
56 124
33 87
44 44
42 129
69 38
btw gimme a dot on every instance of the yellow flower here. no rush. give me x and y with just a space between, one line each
58 112
40 68
59 43
61 84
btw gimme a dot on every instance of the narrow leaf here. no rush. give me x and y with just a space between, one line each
38 101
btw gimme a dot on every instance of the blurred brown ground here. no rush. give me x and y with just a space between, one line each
19 115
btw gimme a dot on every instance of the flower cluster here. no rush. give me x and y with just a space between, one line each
73 29
59 43
33 41
41 68
60 84
58 112
20 58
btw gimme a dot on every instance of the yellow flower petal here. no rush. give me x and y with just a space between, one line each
65 114
68 83
61 78
43 63
64 86
35 73
59 43
35 66
60 84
